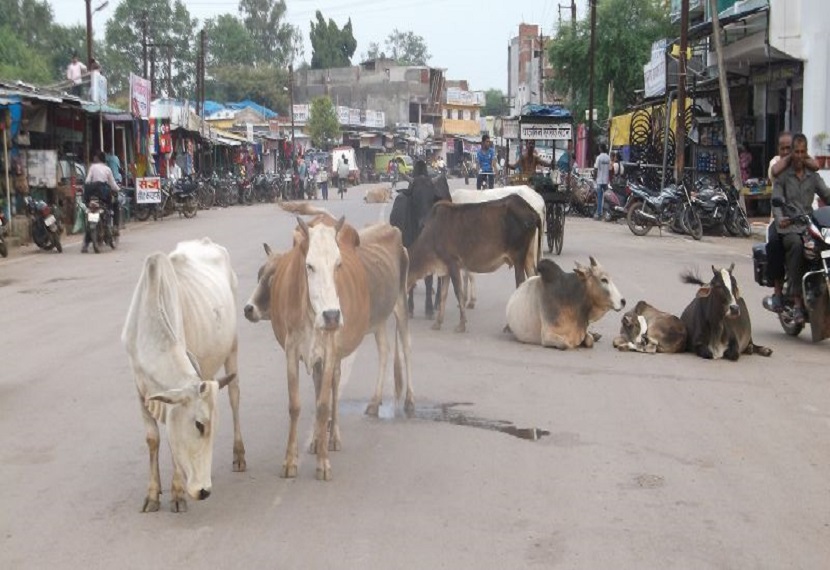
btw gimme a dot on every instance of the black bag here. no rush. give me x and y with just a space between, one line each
759 264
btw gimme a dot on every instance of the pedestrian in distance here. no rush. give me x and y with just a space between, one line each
75 72
602 165
486 156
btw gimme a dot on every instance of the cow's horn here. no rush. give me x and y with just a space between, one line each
303 226
339 225
267 248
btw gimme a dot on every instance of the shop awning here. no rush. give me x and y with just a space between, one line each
227 141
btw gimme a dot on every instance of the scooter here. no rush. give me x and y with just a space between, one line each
816 280
4 250
615 203
45 228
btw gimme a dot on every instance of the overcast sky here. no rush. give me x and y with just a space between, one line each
467 37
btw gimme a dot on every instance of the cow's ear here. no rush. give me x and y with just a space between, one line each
714 270
704 291
582 271
546 270
732 268
628 319
348 236
267 249
174 396
339 225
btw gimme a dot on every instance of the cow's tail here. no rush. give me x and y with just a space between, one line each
691 278
305 209
538 242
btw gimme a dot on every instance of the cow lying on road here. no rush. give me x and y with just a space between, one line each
180 329
646 329
378 195
555 308
717 320
477 237
322 297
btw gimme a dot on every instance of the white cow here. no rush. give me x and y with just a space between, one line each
465 196
180 329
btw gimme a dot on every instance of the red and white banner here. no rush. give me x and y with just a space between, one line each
148 190
139 96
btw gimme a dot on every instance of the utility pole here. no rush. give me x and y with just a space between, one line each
89 32
592 56
203 46
573 13
152 72
169 71
680 129
144 42
291 103
541 79
726 105
198 95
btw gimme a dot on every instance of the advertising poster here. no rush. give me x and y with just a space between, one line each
148 190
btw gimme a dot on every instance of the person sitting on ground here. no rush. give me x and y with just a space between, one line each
796 186
101 184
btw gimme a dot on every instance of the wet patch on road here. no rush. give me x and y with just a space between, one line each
59 279
5 282
449 413
645 481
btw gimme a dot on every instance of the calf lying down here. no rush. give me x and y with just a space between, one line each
650 330
555 308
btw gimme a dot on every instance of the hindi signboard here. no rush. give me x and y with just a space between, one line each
354 116
139 96
543 132
300 113
342 115
42 168
148 190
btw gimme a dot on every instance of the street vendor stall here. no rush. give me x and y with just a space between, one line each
552 126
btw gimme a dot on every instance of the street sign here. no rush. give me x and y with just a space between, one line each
148 190
545 132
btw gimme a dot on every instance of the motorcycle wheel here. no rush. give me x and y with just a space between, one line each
112 238
57 243
94 237
607 216
789 327
638 227
4 250
142 212
692 223
190 207
739 226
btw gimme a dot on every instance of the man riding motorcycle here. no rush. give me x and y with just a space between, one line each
796 186
101 184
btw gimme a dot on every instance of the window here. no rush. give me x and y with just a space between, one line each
449 113
459 114
474 114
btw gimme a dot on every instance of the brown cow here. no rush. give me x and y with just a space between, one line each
650 330
322 297
478 237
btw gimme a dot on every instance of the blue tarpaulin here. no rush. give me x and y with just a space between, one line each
535 110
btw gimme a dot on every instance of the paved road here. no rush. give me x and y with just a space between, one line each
650 462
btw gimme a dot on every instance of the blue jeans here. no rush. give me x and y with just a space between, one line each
601 188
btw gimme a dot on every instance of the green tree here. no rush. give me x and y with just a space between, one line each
495 103
323 125
331 46
18 61
228 42
274 37
625 32
407 48
265 85
168 24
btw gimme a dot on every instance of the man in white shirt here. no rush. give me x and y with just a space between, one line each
101 184
603 168
75 73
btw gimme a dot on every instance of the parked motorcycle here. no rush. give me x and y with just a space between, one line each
671 207
178 196
615 203
45 227
311 187
4 231
720 209
816 280
737 222
98 225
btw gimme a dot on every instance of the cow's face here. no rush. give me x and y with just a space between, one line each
602 292
634 327
258 307
322 263
191 423
723 292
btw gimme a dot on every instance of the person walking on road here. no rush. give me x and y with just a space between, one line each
603 170
342 175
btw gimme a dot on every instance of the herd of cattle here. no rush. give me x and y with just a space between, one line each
338 283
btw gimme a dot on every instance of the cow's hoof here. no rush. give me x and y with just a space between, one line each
335 444
324 472
588 341
372 409
506 329
596 336
178 505
289 471
150 505
409 407
471 305
436 326
762 350
461 328
239 464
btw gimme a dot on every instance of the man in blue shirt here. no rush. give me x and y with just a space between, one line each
486 156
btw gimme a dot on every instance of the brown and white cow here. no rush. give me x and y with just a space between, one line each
650 330
555 308
717 320
180 329
378 195
322 297
478 237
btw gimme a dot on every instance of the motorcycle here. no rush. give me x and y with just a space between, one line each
45 228
615 203
672 207
178 196
311 187
720 209
4 231
737 222
816 279
98 225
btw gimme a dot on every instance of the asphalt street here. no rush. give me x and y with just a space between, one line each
518 457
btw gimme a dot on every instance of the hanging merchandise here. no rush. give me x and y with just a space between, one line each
165 140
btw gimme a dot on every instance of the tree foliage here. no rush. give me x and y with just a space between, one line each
495 103
405 48
323 125
625 32
19 61
169 27
274 38
263 85
331 46
228 42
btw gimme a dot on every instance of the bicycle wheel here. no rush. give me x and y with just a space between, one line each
559 223
550 225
